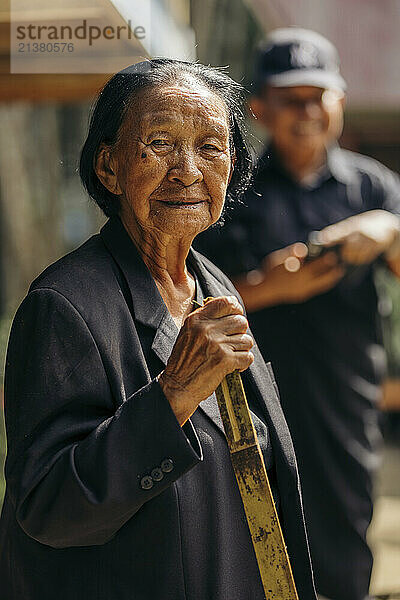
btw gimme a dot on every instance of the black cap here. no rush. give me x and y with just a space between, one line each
292 56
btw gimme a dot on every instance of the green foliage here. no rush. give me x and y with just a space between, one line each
389 307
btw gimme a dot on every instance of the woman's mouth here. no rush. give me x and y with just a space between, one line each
187 203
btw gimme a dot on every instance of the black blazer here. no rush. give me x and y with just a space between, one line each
86 423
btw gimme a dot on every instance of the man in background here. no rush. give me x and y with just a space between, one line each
314 314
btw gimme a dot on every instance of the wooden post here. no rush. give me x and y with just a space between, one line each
251 475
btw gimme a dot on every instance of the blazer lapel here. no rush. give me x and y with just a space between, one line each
147 304
163 342
210 287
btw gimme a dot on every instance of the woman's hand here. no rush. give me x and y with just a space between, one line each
212 343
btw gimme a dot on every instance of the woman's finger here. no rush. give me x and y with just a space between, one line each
240 343
233 324
243 360
220 307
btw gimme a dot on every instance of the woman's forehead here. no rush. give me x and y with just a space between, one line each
175 103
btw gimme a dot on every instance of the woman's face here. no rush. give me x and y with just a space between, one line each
173 159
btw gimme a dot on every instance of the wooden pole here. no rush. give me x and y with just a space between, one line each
251 475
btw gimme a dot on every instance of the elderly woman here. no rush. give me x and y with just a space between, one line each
119 481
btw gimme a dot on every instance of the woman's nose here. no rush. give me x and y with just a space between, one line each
185 170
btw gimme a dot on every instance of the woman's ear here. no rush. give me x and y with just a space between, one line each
105 169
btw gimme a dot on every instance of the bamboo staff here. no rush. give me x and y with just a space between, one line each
251 475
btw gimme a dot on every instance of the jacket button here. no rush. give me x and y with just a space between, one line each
157 474
146 483
167 465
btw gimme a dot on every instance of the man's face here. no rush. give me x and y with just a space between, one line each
301 117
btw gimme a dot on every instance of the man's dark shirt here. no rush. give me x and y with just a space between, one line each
326 352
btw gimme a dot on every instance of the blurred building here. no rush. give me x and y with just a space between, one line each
42 207
366 34
44 113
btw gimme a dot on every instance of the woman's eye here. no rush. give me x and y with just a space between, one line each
160 143
211 148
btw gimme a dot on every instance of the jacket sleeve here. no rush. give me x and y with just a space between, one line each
76 463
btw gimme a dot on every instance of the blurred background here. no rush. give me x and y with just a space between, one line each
44 213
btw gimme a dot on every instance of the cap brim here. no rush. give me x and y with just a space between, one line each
313 77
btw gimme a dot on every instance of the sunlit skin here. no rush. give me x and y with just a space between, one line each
302 122
173 148
171 166
177 164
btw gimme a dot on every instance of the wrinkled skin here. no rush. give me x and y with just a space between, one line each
171 167
212 343
174 147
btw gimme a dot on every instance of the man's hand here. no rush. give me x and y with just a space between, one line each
286 278
297 282
362 238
